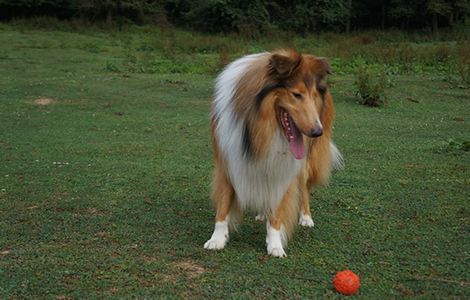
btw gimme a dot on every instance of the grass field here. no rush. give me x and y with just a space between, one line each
105 175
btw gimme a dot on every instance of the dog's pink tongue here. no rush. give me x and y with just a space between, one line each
296 144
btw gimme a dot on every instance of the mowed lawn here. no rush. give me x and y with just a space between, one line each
105 179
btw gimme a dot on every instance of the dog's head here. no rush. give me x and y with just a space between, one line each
300 91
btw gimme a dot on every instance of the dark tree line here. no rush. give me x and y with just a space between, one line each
248 16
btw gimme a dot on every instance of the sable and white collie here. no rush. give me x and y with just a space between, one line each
271 124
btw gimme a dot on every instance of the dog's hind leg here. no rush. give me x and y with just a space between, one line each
223 197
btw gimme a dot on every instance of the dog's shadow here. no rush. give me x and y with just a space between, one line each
190 226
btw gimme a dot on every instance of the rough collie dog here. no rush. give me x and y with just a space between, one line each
271 125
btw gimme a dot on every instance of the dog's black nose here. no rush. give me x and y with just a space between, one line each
316 132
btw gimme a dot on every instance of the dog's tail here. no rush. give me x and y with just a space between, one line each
337 160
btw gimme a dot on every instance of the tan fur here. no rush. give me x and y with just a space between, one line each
261 125
252 81
287 211
319 165
223 195
318 169
264 127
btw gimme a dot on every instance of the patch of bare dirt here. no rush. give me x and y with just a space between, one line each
44 101
186 268
63 297
189 268
5 252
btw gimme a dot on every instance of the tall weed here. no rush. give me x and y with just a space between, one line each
463 61
370 85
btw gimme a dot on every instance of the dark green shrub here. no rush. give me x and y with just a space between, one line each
370 86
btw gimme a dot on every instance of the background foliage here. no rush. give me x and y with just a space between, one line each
255 17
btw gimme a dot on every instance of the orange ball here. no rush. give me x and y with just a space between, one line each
346 282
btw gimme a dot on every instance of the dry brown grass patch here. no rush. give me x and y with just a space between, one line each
186 268
189 268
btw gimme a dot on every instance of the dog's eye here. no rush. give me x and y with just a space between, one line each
297 95
321 89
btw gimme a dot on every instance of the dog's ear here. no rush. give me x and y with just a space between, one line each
285 66
323 65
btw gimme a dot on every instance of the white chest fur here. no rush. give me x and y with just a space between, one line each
261 184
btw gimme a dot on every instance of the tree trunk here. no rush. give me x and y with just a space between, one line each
348 22
109 16
382 21
119 15
434 24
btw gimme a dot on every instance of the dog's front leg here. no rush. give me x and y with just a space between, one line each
274 239
305 218
223 196
280 223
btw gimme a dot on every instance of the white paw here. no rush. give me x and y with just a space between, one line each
277 252
275 240
306 220
219 238
215 244
259 217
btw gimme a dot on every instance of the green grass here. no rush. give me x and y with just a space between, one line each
104 192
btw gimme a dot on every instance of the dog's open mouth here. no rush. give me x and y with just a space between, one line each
292 133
